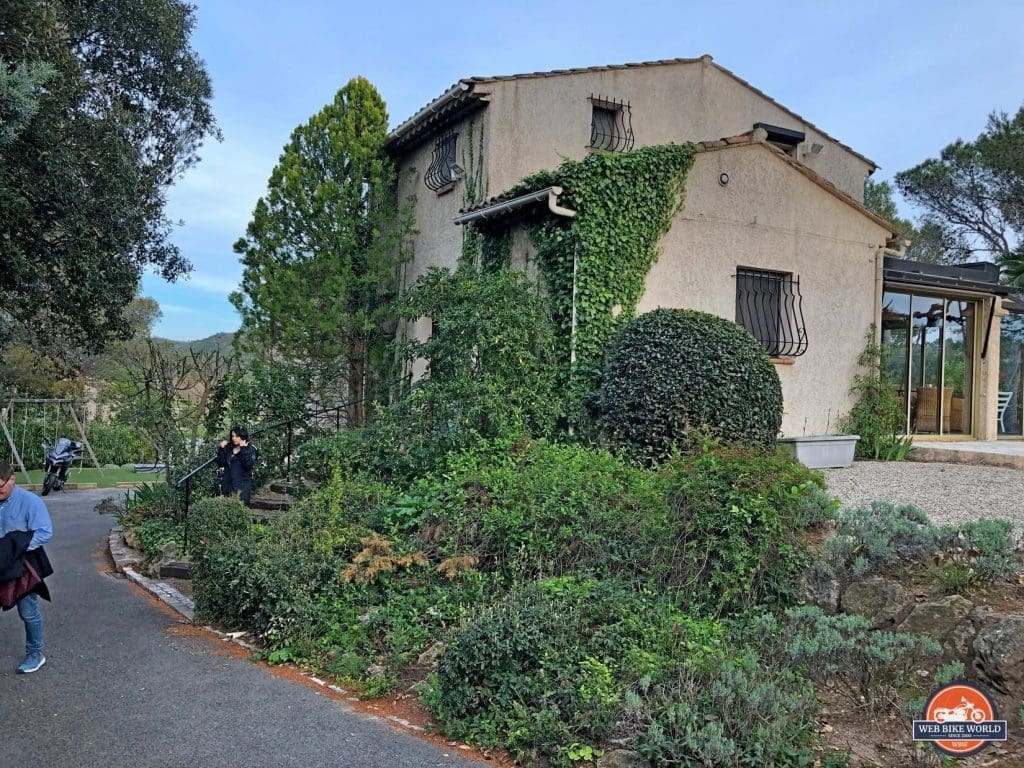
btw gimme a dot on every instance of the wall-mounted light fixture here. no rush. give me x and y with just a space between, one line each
723 179
815 149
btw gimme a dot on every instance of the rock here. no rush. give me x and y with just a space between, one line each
947 621
107 506
883 602
430 656
819 586
622 758
999 655
168 554
130 539
375 670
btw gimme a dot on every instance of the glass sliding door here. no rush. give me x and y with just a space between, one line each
896 347
958 368
1010 413
925 364
928 351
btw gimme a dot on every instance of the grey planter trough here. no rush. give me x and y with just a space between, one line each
821 451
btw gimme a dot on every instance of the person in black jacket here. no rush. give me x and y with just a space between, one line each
237 457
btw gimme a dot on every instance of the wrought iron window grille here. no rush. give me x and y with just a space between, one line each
611 124
440 176
768 304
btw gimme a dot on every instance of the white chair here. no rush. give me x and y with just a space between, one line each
1004 403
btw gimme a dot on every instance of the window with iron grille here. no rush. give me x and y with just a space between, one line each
611 125
768 304
440 176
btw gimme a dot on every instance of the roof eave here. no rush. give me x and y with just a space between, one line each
452 102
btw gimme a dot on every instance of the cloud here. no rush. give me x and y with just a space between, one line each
221 285
178 309
221 191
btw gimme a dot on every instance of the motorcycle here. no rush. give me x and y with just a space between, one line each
59 458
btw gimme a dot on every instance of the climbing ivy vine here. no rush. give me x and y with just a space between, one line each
624 203
474 190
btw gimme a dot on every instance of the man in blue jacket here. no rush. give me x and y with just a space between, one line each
24 511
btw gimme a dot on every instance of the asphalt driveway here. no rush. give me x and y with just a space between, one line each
126 685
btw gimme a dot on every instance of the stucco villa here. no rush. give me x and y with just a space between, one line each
773 234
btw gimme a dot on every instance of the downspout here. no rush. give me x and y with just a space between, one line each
572 323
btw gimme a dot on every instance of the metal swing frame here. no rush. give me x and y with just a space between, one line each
8 411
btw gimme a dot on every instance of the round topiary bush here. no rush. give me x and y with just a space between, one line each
674 371
213 519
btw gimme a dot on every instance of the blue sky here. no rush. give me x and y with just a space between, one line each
897 81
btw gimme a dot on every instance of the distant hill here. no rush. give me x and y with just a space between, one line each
221 341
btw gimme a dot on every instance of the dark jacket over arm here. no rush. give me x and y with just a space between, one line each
14 553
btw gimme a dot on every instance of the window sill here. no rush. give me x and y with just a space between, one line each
445 189
782 360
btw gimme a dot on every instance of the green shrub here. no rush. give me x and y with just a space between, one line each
119 443
535 508
737 519
877 417
883 536
266 584
332 520
876 669
871 538
218 517
674 371
318 457
985 548
545 668
726 526
492 370
150 500
112 443
737 713
154 532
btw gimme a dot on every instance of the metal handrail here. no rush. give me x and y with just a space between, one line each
195 471
265 428
305 417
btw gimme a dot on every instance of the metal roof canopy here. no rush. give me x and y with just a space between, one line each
979 277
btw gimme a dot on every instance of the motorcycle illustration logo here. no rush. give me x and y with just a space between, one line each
960 719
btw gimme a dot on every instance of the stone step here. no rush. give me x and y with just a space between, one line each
269 501
285 487
176 569
264 516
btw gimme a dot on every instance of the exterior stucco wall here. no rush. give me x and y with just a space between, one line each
438 242
770 216
537 122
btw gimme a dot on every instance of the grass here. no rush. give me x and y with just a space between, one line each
108 479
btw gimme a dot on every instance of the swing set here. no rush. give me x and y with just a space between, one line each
9 425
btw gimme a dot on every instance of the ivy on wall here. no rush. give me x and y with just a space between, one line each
624 203
474 189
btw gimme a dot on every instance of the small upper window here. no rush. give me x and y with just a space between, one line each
441 175
785 139
611 125
768 304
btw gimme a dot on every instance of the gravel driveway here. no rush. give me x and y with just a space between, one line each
949 493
